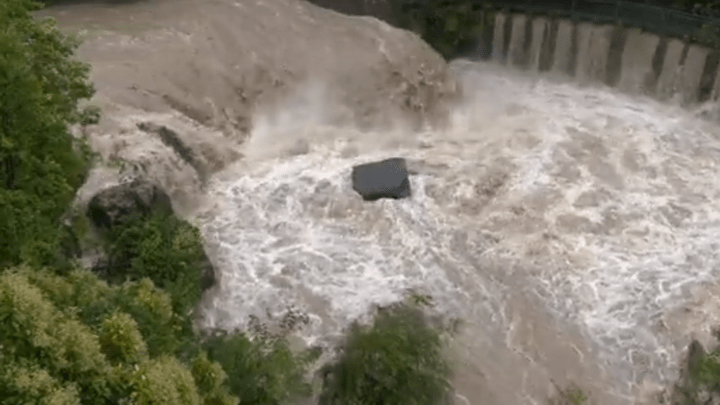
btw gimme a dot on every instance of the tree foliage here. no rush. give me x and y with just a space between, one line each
50 355
164 248
164 381
450 27
41 166
121 341
262 370
398 360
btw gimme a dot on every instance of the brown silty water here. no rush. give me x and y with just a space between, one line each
572 227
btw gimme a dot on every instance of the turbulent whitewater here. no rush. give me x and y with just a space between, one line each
593 213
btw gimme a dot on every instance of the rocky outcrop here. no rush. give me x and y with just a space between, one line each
115 205
171 139
385 179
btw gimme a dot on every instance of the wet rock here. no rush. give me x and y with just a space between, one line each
384 179
696 352
689 390
173 140
115 205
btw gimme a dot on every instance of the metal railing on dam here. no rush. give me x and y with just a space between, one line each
654 18
657 19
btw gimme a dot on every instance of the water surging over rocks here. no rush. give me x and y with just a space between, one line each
564 225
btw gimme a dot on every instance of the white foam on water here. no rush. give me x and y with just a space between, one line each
607 205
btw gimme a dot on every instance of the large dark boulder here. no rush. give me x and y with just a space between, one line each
115 205
208 278
384 179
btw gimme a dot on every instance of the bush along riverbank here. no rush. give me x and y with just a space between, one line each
453 28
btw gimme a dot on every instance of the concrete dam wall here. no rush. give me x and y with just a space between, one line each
628 59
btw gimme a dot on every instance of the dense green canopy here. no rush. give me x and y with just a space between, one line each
40 167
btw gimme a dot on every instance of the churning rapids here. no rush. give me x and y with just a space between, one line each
591 214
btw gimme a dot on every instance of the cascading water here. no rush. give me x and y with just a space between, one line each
585 212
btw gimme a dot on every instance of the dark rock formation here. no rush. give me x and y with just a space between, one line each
689 388
114 205
207 279
172 140
696 352
385 179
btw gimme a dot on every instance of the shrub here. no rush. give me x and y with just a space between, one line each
164 381
211 381
262 370
81 293
571 395
121 340
163 248
49 355
398 360
451 28
164 331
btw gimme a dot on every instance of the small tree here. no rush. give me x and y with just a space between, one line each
262 370
164 248
398 360
164 381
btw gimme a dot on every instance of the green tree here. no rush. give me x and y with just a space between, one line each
164 248
450 27
262 370
165 381
41 165
82 293
398 360
39 340
50 355
211 380
121 340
